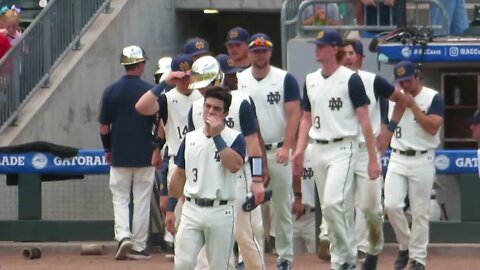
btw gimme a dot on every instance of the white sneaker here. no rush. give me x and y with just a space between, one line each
124 247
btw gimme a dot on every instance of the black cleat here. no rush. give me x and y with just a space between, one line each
370 262
348 266
416 266
361 256
402 260
124 247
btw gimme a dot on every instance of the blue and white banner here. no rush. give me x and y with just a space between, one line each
433 52
93 162
449 161
86 162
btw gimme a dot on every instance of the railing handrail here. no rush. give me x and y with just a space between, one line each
286 22
50 36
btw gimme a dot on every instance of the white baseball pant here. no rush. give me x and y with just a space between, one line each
412 175
281 185
368 207
334 165
209 226
304 234
140 182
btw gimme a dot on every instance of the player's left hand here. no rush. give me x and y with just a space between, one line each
216 125
258 191
374 169
383 141
170 223
297 208
282 156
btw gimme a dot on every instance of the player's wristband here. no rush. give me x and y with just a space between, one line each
158 142
220 143
392 125
298 194
171 203
256 166
159 88
106 142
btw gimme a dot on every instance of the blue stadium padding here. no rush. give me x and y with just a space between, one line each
93 162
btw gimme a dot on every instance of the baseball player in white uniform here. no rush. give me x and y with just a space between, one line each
277 100
368 194
172 108
209 161
242 118
335 110
411 169
304 225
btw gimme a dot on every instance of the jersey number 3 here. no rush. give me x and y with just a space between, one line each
316 122
195 174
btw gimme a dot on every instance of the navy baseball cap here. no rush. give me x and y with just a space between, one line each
260 41
404 71
328 37
196 46
182 62
226 64
358 48
237 35
475 119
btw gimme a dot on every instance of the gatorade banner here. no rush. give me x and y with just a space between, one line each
93 162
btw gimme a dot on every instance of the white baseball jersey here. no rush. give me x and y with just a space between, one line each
368 79
268 95
177 106
233 118
409 135
207 177
333 114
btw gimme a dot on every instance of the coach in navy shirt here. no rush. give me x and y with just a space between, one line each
127 140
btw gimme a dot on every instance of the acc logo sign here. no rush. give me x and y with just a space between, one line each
442 162
39 161
406 52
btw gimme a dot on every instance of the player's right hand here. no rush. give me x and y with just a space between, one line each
173 76
170 223
297 160
374 170
258 192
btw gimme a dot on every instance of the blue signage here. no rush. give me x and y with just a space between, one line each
93 162
433 52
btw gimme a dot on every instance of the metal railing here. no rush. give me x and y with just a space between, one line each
292 25
28 64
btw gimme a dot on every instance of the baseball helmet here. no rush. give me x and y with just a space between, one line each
132 55
164 65
205 71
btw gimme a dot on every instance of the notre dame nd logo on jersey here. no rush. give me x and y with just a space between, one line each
335 103
307 173
229 122
273 97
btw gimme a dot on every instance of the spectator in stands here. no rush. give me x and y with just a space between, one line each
368 9
457 17
10 23
321 14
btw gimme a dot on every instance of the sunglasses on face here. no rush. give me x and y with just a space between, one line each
260 43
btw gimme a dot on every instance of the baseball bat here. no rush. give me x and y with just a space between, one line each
31 253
